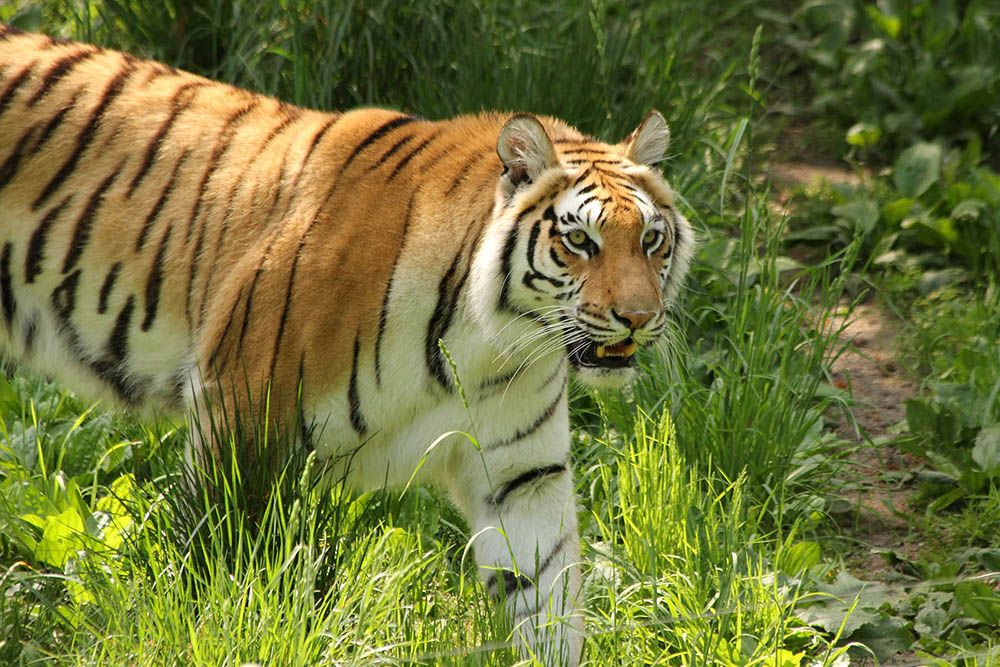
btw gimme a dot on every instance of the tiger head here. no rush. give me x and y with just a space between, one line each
586 244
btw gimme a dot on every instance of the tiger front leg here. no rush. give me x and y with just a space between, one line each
518 497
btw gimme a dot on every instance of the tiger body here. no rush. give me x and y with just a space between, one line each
165 238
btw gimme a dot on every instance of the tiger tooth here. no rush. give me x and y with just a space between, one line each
602 351
629 350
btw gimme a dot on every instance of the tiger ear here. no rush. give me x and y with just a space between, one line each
525 150
649 142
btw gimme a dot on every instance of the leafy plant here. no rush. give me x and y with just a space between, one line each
894 71
956 426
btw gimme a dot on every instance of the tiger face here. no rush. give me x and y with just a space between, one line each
592 249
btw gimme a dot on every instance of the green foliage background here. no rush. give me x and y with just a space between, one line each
711 493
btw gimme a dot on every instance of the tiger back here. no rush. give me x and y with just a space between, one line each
164 238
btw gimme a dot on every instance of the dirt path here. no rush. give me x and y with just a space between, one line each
880 388
878 474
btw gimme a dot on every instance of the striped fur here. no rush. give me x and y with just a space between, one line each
164 237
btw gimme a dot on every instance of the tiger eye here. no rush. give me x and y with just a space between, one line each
577 237
650 238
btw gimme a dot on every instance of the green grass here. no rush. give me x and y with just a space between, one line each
706 489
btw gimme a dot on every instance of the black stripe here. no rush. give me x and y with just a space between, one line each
7 286
237 186
9 168
555 374
463 173
84 224
158 206
57 41
527 477
554 256
574 151
63 297
439 323
536 229
118 341
521 582
336 180
511 583
612 176
55 74
534 426
288 304
225 330
291 114
384 313
55 122
531 277
253 288
16 82
677 240
306 431
503 303
449 290
36 244
377 134
152 150
430 162
110 368
30 333
314 143
353 398
411 155
222 144
389 153
7 31
155 282
106 287
489 385
302 168
582 177
86 136
587 189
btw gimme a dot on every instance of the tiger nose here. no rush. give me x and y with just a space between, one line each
633 319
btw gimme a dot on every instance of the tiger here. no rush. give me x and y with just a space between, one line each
164 237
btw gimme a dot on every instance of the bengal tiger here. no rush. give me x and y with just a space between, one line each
163 236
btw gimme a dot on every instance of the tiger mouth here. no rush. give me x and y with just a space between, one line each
599 355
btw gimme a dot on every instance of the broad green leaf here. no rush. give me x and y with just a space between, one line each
862 213
864 135
968 209
896 211
945 229
885 636
979 601
60 537
917 169
986 452
931 621
972 154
